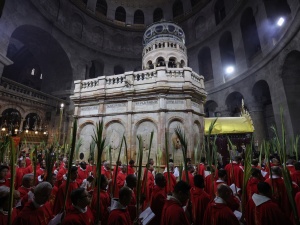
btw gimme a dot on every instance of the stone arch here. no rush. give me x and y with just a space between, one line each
29 46
291 83
158 14
13 106
172 62
101 7
174 142
226 49
144 127
160 61
205 63
97 69
10 120
120 14
261 109
77 25
210 108
85 133
177 8
118 69
220 11
199 26
32 119
138 17
249 34
234 103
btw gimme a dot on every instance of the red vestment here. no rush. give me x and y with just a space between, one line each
75 217
173 214
5 182
279 194
209 187
27 161
91 169
59 177
4 217
23 191
191 178
158 199
104 204
82 174
132 207
53 196
59 200
121 177
30 215
291 168
119 217
296 177
147 187
235 174
200 200
201 169
252 187
130 170
106 173
219 214
20 172
170 186
268 212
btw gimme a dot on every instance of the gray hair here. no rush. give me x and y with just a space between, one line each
41 188
4 191
27 177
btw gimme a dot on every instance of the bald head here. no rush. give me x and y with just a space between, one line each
42 192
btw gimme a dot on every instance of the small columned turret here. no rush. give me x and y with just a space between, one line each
164 46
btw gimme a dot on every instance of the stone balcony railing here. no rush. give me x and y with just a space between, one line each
21 92
161 77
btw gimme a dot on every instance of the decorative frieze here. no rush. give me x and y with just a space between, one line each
89 110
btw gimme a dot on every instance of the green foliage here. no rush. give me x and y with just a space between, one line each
13 160
92 150
138 185
182 138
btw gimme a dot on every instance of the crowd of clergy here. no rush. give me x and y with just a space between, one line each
208 196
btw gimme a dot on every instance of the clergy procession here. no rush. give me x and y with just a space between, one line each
253 188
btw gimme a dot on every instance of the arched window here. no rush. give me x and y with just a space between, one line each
205 64
226 50
249 34
120 14
172 63
177 8
194 2
96 69
161 62
276 9
158 15
118 70
101 7
220 12
138 17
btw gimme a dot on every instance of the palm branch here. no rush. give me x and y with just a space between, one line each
182 138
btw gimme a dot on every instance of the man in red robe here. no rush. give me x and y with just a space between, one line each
279 191
82 172
170 183
148 184
54 190
79 213
20 172
264 210
296 174
255 178
4 205
235 173
199 200
60 175
173 213
119 214
290 165
191 171
121 177
3 174
27 183
210 181
158 198
38 211
59 200
201 167
104 201
131 169
131 182
217 212
91 167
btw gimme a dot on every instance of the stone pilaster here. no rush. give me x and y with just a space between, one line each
257 114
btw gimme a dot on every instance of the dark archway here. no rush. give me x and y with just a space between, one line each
291 83
220 11
10 121
226 49
120 14
101 7
210 108
2 3
96 69
234 103
205 63
32 122
276 9
177 8
250 35
31 47
262 96
118 70
158 15
139 17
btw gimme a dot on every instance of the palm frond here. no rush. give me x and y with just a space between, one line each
181 136
13 160
77 147
139 175
167 159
